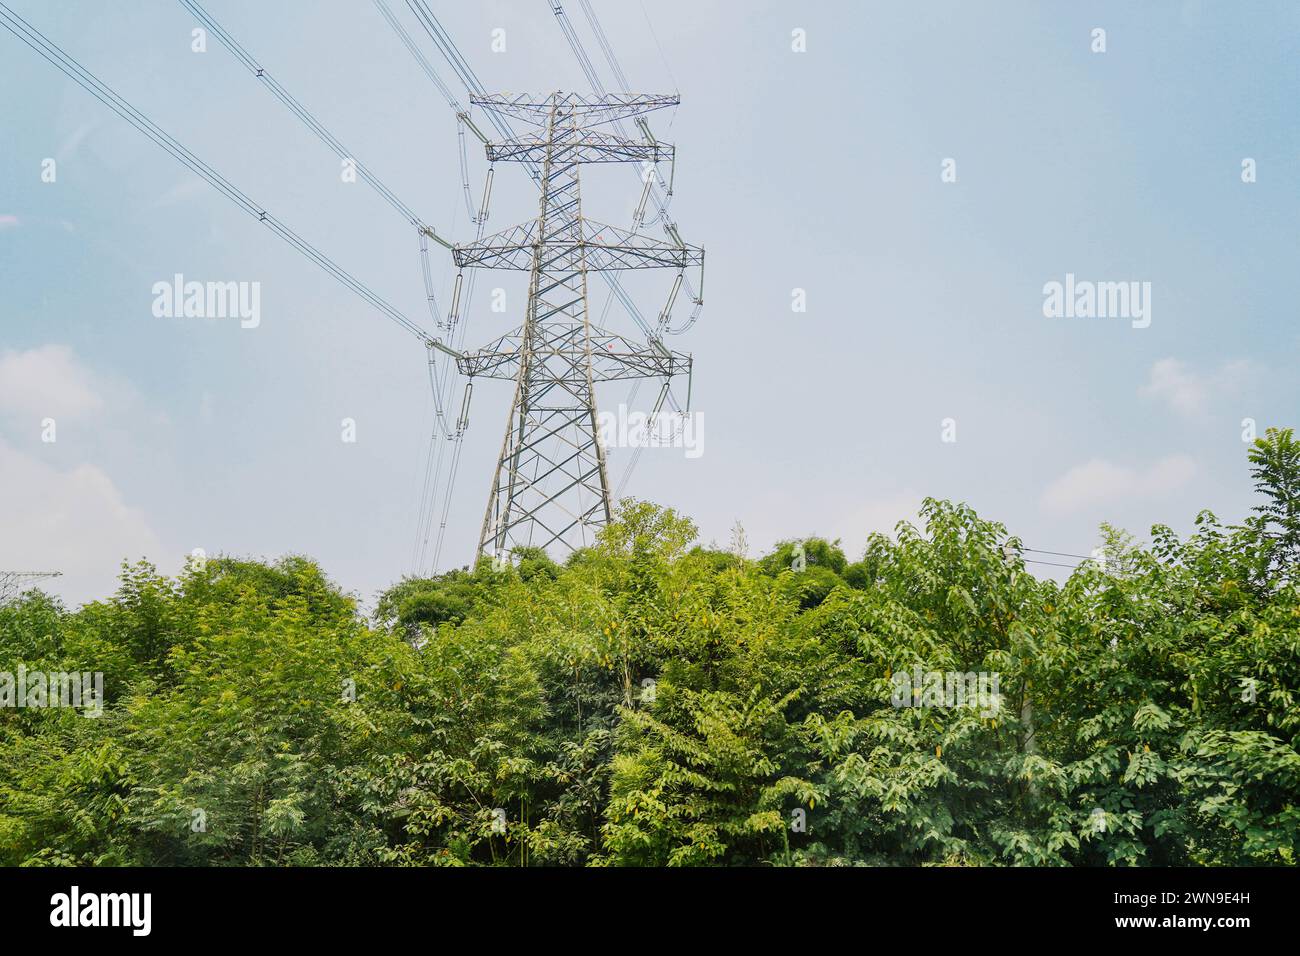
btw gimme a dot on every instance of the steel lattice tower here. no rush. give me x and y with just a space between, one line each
550 486
11 582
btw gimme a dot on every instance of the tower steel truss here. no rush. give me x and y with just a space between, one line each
12 582
550 487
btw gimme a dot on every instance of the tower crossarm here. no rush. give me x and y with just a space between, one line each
603 247
497 359
581 109
580 146
613 357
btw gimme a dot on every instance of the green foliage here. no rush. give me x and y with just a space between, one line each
1275 466
656 704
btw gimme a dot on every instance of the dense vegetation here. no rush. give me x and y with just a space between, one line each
653 703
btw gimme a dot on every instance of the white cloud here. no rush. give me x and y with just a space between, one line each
74 521
1189 392
877 515
46 381
778 518
66 518
1099 481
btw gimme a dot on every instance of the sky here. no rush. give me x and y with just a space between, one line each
818 144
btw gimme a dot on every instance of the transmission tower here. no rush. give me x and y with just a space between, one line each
550 487
11 581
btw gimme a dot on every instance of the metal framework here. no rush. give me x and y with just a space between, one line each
11 582
550 487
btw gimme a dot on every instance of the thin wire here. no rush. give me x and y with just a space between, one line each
88 81
660 47
575 44
422 231
661 204
69 67
299 110
429 71
594 22
1060 554
424 494
447 498
426 270
442 40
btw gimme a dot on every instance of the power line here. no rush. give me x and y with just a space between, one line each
649 193
575 45
1052 564
52 53
433 467
650 24
429 71
594 22
1059 554
447 48
429 495
88 81
299 110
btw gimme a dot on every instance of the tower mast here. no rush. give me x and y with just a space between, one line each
550 487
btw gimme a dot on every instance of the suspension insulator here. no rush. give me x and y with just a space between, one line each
672 298
639 215
462 422
455 300
487 196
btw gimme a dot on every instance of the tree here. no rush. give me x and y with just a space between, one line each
653 702
1275 467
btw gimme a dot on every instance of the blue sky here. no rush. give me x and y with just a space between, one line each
817 171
